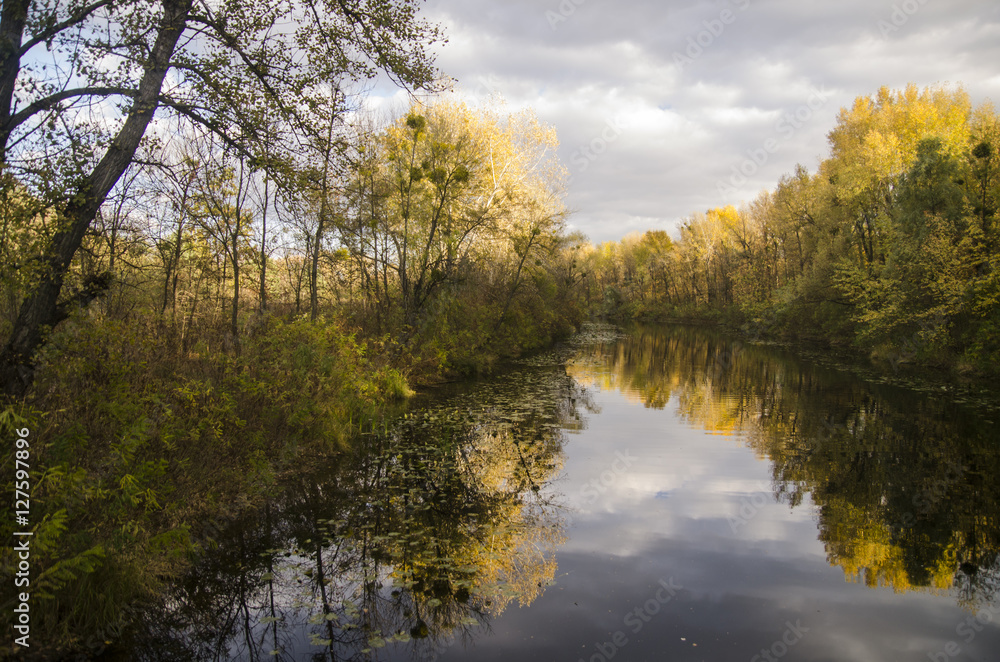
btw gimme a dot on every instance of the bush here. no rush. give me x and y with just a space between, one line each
134 443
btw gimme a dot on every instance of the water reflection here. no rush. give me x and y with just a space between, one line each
419 538
905 483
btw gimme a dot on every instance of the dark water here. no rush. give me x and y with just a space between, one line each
669 495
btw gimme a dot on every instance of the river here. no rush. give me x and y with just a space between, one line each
668 493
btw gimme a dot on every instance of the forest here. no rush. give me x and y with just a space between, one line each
889 249
218 264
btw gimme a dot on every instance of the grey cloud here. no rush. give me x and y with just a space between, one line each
598 60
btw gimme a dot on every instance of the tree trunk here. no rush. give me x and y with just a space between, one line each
12 22
314 259
234 327
41 310
262 295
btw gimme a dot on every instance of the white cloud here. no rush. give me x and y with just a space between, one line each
683 129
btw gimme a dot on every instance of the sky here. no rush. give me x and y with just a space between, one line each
664 109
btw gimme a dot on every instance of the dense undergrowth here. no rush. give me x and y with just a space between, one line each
136 447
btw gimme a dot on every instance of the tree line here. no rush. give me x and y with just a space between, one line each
890 246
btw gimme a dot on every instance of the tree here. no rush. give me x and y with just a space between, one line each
984 176
221 204
176 189
231 66
874 145
443 191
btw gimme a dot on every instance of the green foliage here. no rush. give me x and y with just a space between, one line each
141 445
453 223
310 382
891 246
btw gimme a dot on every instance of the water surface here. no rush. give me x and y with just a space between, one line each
666 494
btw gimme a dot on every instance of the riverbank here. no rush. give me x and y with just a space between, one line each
144 447
141 451
903 366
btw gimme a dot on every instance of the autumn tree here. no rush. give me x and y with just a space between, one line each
891 244
448 201
225 66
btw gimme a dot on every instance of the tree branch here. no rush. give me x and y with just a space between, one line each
48 102
53 30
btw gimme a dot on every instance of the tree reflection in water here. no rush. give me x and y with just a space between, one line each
905 483
422 535
414 540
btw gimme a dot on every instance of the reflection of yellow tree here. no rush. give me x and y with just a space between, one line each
460 523
905 486
473 526
866 548
465 526
524 533
651 368
420 535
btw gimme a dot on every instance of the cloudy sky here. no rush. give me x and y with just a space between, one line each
659 104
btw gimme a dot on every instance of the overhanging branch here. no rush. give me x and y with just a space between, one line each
47 103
